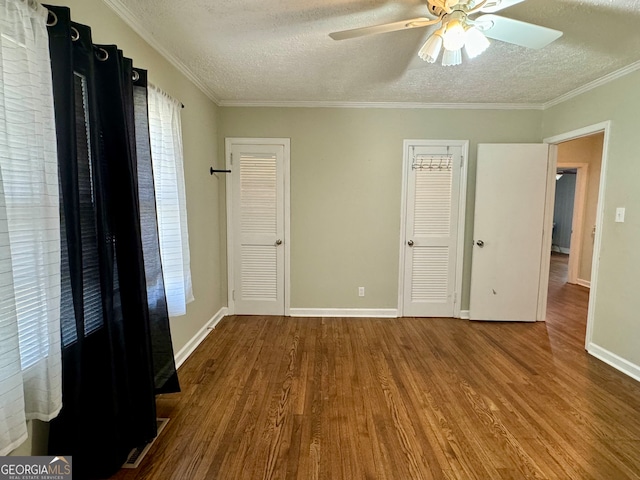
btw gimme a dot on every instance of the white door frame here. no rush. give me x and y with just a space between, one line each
595 264
462 205
286 143
577 221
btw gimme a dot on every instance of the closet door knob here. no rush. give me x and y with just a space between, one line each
278 242
410 243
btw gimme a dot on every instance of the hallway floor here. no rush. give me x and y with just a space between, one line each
567 304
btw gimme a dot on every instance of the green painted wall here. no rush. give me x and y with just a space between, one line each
346 182
616 325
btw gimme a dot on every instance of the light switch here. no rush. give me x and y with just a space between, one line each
620 214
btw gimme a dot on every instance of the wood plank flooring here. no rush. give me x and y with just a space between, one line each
399 399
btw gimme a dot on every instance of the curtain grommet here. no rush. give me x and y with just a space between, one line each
75 34
102 54
52 19
135 76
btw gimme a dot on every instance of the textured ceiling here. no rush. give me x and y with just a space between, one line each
280 51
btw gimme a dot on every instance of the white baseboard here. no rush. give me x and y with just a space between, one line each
464 315
344 312
619 363
584 283
197 339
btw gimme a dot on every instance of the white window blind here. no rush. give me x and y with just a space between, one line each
30 358
168 175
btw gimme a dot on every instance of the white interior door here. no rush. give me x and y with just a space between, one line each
257 277
511 185
431 232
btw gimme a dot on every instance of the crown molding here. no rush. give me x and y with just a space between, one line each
130 19
610 77
407 105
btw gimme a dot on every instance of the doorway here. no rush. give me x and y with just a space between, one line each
563 211
582 154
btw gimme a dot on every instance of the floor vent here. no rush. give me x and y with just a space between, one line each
137 454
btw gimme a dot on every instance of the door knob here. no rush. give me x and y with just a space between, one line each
410 243
278 242
480 243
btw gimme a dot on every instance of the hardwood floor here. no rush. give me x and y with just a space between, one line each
301 398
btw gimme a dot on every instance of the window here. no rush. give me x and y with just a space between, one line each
168 174
30 358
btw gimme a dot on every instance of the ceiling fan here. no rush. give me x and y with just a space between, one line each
461 28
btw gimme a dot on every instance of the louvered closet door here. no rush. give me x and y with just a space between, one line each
258 229
431 230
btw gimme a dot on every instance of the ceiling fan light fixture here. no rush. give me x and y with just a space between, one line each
431 48
454 35
463 24
475 43
451 58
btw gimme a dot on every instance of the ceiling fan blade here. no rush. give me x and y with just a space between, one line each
387 27
516 32
496 6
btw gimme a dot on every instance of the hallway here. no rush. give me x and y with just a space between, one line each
567 304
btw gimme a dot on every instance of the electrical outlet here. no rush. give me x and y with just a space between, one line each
620 214
361 291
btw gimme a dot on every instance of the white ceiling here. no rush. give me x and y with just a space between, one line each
279 50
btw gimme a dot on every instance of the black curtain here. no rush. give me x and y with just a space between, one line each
117 351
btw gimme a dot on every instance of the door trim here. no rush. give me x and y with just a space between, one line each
595 263
462 206
286 143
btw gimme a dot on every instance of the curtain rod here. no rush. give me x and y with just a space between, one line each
52 20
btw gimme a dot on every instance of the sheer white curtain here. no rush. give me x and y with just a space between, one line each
165 130
30 358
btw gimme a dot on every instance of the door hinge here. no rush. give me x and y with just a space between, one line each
231 158
233 295
455 297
